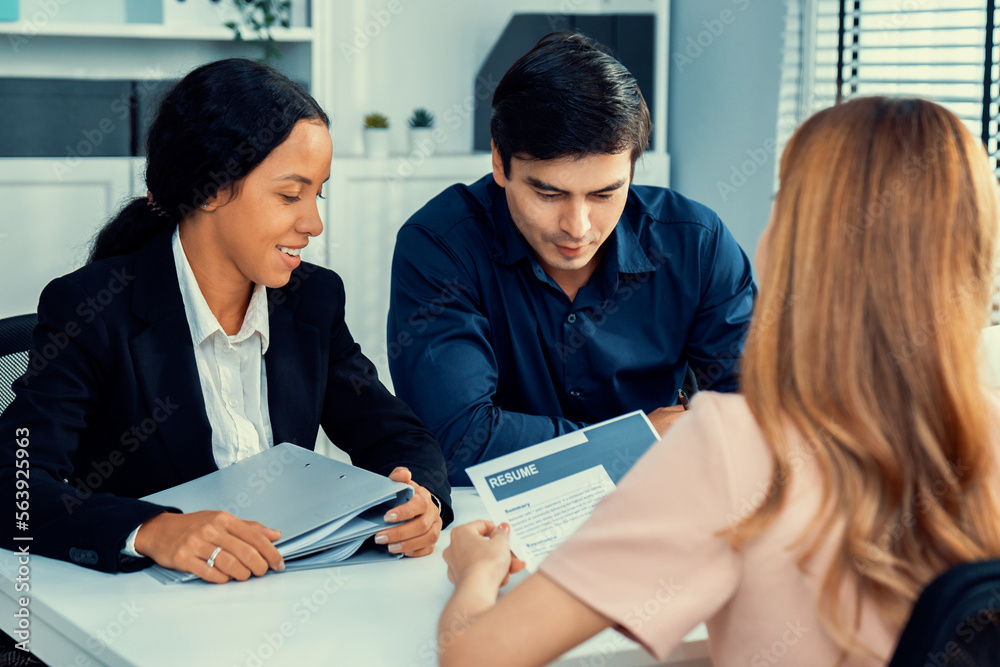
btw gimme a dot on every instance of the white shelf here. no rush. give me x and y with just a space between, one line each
143 31
358 167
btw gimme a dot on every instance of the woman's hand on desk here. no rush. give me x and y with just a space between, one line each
540 618
420 521
186 542
481 549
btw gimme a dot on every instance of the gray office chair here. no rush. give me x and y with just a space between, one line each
955 621
15 341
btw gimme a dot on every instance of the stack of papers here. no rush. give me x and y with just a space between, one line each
325 509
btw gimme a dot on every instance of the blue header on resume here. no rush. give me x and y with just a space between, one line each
616 446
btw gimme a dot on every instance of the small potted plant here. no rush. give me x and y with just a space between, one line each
376 134
259 17
421 127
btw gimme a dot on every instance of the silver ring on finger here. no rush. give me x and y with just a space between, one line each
211 559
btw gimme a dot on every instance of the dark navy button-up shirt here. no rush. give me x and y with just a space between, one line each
493 356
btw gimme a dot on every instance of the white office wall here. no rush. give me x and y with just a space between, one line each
49 212
725 71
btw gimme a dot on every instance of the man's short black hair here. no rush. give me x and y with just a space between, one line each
568 97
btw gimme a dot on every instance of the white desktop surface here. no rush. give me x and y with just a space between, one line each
373 614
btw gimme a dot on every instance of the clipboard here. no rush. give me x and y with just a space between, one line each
325 509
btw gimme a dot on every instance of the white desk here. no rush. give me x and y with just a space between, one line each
371 615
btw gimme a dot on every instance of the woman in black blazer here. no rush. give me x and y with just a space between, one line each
196 335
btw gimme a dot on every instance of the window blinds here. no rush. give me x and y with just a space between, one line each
943 50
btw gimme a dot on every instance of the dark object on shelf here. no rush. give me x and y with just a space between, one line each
148 94
631 38
77 118
67 118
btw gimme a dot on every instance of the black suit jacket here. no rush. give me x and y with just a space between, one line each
111 407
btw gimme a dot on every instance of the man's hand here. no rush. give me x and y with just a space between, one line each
185 542
422 527
662 418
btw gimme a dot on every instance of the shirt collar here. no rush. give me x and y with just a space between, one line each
510 247
631 257
202 321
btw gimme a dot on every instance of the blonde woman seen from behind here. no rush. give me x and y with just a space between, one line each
801 519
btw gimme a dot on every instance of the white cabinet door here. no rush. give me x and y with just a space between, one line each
49 211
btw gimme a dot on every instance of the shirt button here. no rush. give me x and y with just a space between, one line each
574 392
234 402
571 318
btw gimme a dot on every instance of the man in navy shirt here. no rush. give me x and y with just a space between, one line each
553 293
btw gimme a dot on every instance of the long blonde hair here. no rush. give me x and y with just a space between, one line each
865 336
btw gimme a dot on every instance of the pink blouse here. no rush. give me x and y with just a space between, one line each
651 557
